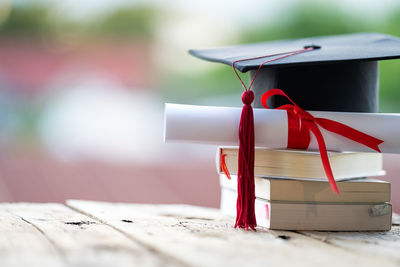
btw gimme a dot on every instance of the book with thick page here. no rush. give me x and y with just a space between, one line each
315 217
361 190
305 164
312 216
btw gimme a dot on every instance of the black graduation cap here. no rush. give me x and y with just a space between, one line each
341 75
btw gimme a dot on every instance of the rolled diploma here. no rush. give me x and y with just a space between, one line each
219 126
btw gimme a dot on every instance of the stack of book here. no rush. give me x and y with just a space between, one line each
292 192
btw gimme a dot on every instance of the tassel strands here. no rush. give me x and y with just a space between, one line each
245 216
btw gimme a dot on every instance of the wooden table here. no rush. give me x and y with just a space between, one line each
86 233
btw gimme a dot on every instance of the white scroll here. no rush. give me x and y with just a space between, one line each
219 125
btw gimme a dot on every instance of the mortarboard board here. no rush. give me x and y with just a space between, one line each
342 75
331 73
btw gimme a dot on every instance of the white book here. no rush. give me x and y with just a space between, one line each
361 190
314 216
302 164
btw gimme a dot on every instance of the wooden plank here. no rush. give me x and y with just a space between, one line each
379 244
79 240
22 244
204 237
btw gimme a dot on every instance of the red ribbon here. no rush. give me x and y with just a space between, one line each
224 168
301 123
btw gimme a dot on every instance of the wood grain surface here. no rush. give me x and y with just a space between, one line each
87 233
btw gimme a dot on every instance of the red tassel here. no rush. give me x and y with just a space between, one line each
245 216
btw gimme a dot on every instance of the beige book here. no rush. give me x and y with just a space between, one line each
305 164
361 190
317 217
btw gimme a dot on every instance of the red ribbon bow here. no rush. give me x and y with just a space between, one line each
301 123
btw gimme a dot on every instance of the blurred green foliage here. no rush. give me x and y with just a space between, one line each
307 20
130 23
33 20
25 21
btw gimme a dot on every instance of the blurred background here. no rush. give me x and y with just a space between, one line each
83 85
